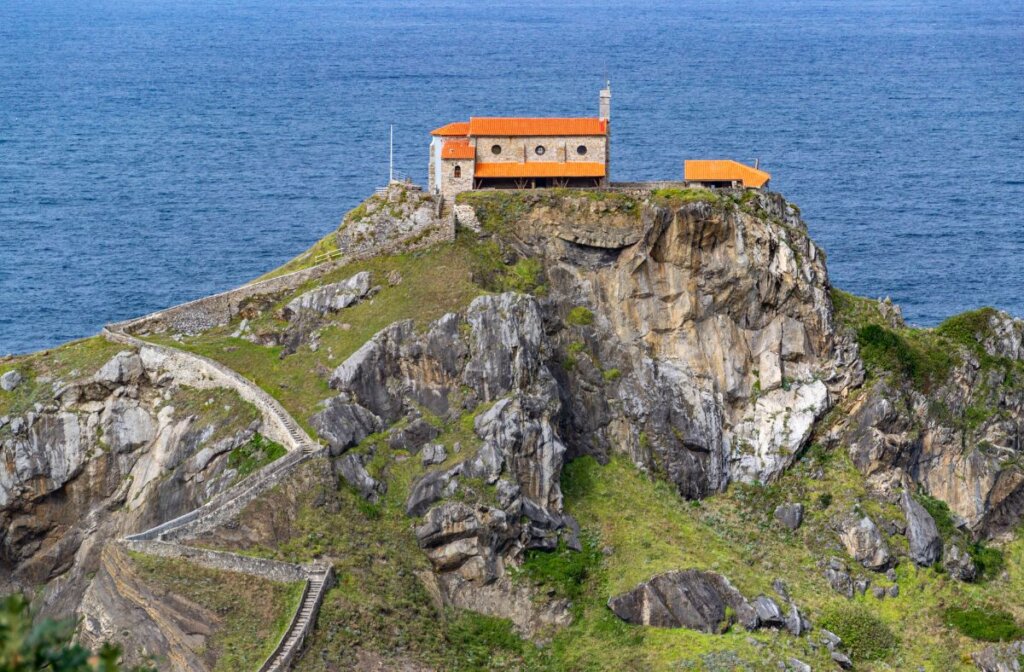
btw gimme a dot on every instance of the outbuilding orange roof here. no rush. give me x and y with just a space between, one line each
724 171
457 149
541 169
511 126
455 128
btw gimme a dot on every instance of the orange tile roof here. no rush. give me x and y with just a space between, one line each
724 171
509 126
541 169
454 128
457 149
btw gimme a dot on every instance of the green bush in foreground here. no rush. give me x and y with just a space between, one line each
47 645
986 625
580 316
863 634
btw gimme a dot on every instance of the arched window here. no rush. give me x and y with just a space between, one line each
457 172
540 150
495 149
581 150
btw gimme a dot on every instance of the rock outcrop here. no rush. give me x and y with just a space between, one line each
693 599
864 542
110 454
922 533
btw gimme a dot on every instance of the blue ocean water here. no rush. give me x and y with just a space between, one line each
153 152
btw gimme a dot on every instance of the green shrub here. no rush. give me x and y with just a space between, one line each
986 625
249 457
940 512
526 275
563 569
924 364
864 635
824 500
967 328
580 316
611 375
988 561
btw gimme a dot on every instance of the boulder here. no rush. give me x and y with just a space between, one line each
797 665
838 576
864 542
842 660
351 468
10 380
796 624
790 516
429 489
412 436
332 297
433 453
959 564
344 424
768 612
691 599
922 533
123 368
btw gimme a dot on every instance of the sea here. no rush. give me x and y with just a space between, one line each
154 152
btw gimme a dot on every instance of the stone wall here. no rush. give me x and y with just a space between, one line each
450 184
557 148
272 570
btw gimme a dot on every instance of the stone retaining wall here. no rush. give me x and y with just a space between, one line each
271 570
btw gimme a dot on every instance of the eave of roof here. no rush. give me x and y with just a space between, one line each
540 169
456 128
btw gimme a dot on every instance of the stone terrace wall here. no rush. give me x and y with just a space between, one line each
272 570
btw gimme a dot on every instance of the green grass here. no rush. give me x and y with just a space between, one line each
435 282
864 635
72 361
913 355
217 407
985 624
679 196
258 452
564 570
252 613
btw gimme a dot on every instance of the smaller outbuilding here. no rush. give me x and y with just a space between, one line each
724 173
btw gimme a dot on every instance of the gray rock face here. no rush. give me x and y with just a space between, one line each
842 660
922 533
959 564
331 298
412 436
10 381
433 453
796 624
429 490
838 576
344 424
1000 657
864 542
790 516
688 599
351 468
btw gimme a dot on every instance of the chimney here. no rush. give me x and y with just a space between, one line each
757 163
606 101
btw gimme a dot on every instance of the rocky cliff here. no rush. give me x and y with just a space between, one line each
628 429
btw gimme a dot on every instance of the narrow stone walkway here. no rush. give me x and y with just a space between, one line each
161 539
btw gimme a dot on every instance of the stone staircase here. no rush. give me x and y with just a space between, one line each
162 539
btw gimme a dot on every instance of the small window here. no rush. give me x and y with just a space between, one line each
495 149
581 150
457 172
540 150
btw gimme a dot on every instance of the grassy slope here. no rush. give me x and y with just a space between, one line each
434 282
253 612
77 359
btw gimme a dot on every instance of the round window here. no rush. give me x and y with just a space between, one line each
581 150
540 150
496 149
